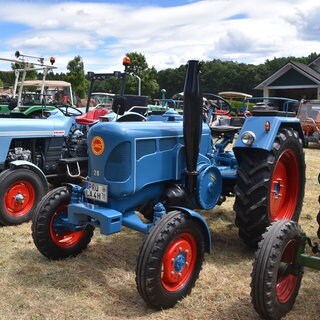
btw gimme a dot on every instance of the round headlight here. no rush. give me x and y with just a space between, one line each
248 138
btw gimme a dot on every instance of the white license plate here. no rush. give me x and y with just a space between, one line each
97 191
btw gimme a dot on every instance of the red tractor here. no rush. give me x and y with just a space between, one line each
309 115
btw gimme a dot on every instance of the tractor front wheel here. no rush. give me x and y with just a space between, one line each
20 192
275 280
170 260
270 186
52 234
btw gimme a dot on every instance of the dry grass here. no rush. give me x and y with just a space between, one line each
99 284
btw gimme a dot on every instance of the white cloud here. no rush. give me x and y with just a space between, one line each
101 33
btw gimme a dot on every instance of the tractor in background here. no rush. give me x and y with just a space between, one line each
279 266
43 138
309 116
153 176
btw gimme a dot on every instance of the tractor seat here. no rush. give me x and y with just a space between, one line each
91 116
227 125
218 130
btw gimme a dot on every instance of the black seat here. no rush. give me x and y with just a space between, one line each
227 125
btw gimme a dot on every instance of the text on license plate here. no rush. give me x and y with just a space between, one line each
97 191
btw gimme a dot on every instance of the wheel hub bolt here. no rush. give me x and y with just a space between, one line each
19 198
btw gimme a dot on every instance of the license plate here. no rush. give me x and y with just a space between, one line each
97 191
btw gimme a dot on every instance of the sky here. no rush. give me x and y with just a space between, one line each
168 33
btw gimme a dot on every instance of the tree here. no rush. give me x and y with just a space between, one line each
77 77
139 67
8 78
172 80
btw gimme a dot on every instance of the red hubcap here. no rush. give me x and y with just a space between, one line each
178 262
287 283
19 198
284 187
61 235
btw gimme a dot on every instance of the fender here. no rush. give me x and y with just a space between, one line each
203 224
264 139
29 165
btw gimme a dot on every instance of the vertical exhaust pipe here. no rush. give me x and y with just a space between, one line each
192 123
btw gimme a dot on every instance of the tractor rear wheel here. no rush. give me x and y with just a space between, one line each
270 186
20 192
275 283
54 237
170 260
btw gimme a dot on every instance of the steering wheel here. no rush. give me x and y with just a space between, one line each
218 100
212 110
64 108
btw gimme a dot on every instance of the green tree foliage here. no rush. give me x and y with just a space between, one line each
8 77
172 80
111 85
218 75
76 77
140 68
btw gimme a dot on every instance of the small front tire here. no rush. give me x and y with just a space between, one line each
275 281
170 260
52 234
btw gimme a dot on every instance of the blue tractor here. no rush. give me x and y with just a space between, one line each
44 139
152 176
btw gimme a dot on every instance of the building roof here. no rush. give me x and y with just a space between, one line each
298 67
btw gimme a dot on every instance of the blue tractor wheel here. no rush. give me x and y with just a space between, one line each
54 237
170 260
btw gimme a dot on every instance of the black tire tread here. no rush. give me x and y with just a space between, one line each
253 185
41 227
149 258
265 269
15 174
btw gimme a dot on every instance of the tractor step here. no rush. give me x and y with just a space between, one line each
76 165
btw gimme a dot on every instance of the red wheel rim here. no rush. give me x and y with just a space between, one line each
61 235
179 261
284 187
286 284
19 198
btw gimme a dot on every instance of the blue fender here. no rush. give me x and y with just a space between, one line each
31 166
203 223
264 139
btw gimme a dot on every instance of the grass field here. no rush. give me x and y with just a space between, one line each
100 283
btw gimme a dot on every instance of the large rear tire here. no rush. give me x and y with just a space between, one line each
275 284
170 260
54 237
270 186
21 190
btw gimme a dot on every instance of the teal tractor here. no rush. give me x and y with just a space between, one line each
154 176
